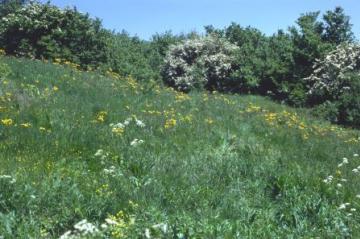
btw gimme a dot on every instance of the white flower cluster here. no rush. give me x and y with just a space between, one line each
161 227
81 229
136 142
195 62
32 14
110 171
329 74
127 122
8 178
102 155
340 182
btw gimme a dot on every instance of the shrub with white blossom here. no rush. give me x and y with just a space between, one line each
335 85
44 31
199 63
329 78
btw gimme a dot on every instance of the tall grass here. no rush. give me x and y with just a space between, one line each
177 166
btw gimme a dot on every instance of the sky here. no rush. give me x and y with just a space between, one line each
144 18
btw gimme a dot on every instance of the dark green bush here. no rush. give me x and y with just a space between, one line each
345 108
44 31
129 56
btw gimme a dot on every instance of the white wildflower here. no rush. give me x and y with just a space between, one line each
127 121
147 233
110 221
99 153
110 171
118 125
339 185
162 226
66 235
353 209
8 177
136 142
85 227
139 123
345 161
356 155
342 206
328 179
355 170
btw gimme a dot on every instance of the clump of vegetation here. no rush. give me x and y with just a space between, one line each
335 84
113 153
89 156
202 63
43 31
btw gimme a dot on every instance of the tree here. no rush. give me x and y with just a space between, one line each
44 31
203 63
9 6
337 27
250 58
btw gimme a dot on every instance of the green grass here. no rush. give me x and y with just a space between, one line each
210 166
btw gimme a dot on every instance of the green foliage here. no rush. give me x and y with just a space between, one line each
43 31
279 67
335 81
337 27
250 63
345 107
131 56
9 6
349 102
209 165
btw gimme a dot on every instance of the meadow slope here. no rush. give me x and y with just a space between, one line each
148 162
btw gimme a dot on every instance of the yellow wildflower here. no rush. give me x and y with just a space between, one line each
252 108
101 116
209 121
302 126
180 97
7 122
25 125
169 123
55 88
118 130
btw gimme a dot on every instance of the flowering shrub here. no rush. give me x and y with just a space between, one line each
44 31
199 63
335 84
329 79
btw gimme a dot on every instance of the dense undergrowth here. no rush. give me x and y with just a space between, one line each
141 161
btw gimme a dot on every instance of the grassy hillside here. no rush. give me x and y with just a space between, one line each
178 166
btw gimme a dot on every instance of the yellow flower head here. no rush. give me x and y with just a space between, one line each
101 116
25 125
118 130
7 122
169 123
209 121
